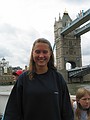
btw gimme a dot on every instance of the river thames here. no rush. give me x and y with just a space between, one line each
74 86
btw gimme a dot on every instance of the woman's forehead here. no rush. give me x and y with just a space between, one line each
41 46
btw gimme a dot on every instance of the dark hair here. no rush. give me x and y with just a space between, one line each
32 67
14 73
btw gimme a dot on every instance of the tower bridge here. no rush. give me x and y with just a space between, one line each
81 19
68 44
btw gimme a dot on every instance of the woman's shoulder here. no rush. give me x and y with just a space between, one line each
25 73
23 76
59 77
56 72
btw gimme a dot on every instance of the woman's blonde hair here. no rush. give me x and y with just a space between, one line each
32 67
79 94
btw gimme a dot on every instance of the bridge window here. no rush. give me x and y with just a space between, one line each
64 43
74 53
70 43
66 53
71 51
74 43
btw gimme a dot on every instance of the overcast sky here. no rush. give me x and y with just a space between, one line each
23 21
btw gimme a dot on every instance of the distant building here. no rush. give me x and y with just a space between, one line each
4 67
5 72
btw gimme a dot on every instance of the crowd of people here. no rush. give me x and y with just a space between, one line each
41 93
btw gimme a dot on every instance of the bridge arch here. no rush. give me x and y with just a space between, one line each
72 64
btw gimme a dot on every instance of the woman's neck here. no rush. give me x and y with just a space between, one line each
41 70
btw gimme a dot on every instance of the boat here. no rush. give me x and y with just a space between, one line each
4 95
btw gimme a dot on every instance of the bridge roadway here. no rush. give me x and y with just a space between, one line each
79 71
82 30
84 17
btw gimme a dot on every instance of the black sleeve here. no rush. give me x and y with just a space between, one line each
65 103
12 111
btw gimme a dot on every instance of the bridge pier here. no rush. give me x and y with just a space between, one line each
81 79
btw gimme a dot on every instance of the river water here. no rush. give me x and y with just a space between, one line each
74 86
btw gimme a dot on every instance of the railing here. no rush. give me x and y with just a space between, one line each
4 95
82 30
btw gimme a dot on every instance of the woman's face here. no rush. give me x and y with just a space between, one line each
41 54
85 101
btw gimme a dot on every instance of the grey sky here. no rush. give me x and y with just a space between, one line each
23 21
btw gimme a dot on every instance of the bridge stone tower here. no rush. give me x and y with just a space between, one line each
68 47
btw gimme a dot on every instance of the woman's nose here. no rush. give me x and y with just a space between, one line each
41 54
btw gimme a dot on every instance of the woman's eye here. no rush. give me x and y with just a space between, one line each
37 51
45 51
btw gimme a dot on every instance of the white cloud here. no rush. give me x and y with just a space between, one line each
23 21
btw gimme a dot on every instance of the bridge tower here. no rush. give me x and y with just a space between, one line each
68 47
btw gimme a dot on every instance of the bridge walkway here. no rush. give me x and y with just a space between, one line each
84 17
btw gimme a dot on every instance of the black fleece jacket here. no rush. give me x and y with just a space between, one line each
46 97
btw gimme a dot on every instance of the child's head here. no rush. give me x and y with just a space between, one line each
83 98
16 74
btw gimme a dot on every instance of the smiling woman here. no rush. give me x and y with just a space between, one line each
40 93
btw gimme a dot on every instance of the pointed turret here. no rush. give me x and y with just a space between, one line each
66 18
59 17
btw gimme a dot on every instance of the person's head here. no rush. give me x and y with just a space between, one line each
83 98
41 55
16 74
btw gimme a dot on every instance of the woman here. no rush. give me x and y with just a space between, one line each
82 104
40 93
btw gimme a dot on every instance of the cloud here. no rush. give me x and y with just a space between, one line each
85 44
4 52
15 44
76 1
23 21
